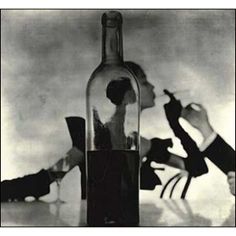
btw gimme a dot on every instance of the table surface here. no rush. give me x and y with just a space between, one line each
161 213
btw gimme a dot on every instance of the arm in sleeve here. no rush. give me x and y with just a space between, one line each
35 185
221 154
194 163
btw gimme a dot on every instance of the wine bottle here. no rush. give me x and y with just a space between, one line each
113 113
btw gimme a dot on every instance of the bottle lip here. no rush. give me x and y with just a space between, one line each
111 19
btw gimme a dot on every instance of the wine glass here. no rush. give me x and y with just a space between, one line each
58 171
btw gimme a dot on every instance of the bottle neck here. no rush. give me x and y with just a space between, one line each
112 46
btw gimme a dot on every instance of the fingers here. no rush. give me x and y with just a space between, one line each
196 113
185 112
197 104
195 107
188 113
174 106
173 100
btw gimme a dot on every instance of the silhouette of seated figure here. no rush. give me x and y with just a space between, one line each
111 135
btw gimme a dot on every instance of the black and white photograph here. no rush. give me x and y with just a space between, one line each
118 117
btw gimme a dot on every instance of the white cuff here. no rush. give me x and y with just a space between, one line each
208 141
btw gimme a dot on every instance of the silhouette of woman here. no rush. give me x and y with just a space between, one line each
111 135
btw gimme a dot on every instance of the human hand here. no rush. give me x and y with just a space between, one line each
197 116
173 108
231 181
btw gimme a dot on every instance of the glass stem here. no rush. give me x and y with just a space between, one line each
58 189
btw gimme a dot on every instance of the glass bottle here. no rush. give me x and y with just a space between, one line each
113 113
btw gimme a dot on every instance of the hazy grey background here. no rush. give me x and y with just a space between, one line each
47 58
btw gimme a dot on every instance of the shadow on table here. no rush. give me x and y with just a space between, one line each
186 215
35 213
72 214
150 215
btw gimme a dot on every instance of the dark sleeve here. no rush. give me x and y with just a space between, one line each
35 185
221 154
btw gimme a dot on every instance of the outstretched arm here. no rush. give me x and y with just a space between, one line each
194 163
38 184
35 185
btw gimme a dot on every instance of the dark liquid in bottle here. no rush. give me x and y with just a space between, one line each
113 188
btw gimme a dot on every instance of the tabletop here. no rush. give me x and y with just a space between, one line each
160 213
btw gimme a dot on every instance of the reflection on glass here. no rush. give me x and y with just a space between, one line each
111 135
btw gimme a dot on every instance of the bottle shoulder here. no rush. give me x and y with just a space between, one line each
108 72
111 71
